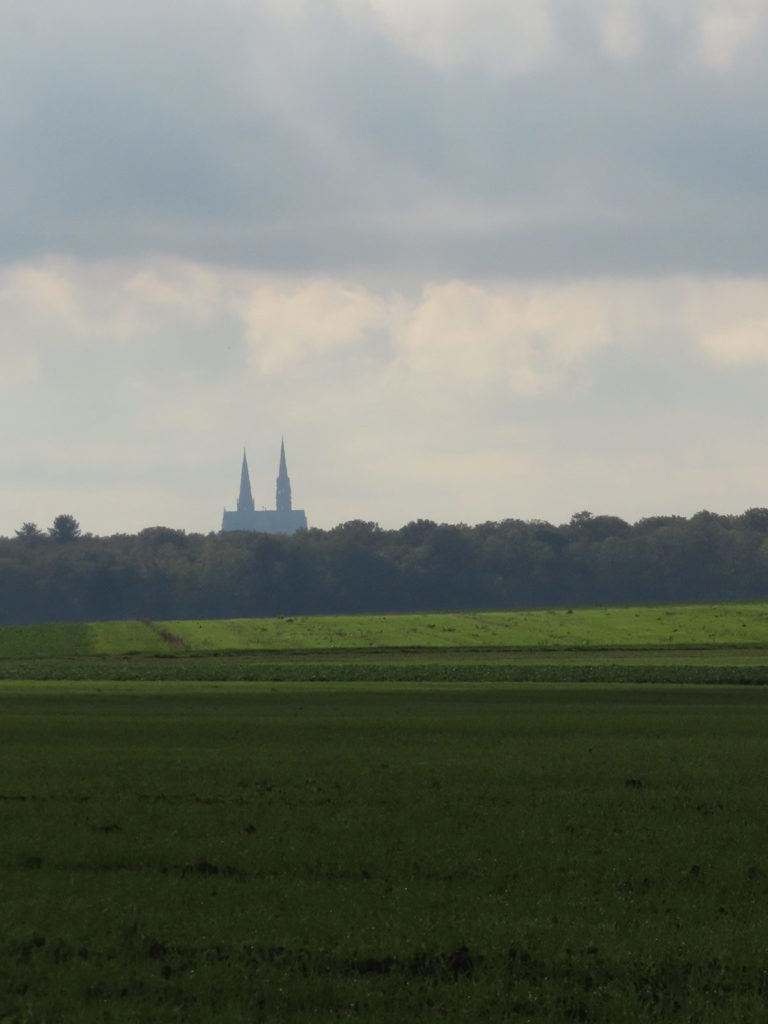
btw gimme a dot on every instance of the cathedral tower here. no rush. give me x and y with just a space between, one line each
282 519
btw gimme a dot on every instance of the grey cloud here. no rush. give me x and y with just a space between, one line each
227 135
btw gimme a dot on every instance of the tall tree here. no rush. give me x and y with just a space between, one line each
28 531
65 528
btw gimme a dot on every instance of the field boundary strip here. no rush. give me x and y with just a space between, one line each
247 670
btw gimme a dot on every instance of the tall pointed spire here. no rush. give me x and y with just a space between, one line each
281 519
283 495
245 501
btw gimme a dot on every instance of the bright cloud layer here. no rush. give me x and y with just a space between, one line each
193 360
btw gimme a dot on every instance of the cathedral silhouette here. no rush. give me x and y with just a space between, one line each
282 519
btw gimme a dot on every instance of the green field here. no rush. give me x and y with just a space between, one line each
386 831
698 625
677 643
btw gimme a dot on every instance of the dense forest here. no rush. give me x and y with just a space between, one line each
162 573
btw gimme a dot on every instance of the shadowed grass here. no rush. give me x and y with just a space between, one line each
58 639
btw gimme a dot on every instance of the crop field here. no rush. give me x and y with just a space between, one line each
284 853
385 831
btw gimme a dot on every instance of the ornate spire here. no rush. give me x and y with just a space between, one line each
245 501
283 495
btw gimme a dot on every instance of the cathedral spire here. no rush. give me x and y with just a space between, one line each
245 501
283 495
281 519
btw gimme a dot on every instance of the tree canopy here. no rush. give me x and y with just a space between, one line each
359 567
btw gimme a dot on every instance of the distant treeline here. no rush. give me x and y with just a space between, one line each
162 573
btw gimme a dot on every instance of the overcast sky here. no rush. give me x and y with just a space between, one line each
474 259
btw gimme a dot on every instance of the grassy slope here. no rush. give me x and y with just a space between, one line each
125 638
583 628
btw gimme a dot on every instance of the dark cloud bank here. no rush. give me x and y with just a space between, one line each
315 144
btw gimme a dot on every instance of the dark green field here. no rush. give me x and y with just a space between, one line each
456 846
